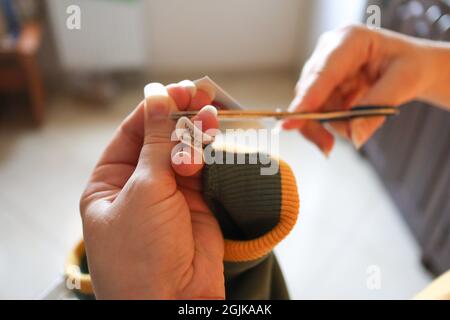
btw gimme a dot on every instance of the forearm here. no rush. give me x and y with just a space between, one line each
438 90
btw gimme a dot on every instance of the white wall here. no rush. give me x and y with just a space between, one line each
110 38
223 35
180 36
327 15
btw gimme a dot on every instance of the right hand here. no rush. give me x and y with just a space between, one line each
359 66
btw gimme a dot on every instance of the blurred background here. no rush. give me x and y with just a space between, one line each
64 88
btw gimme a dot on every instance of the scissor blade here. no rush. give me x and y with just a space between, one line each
239 115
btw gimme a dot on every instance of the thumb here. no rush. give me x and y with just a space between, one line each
392 89
158 105
158 127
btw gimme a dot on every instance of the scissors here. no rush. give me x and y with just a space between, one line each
356 112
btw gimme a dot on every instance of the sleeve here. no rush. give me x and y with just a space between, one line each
255 212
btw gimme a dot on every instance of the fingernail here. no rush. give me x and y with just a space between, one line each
327 147
293 124
185 126
181 157
287 125
358 137
189 85
358 142
155 89
326 150
156 99
348 132
342 131
209 108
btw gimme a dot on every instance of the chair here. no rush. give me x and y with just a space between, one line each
20 72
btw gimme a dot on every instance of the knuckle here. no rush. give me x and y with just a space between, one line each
83 203
353 30
324 37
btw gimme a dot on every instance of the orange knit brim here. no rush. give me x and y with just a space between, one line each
240 251
80 281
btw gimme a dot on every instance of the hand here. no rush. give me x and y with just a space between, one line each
147 231
358 66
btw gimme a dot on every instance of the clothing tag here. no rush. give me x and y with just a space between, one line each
221 96
189 133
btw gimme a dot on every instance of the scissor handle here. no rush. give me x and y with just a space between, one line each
363 111
359 111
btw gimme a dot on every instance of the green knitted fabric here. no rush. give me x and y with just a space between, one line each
246 203
260 279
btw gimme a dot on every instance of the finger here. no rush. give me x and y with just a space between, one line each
180 96
205 95
189 160
125 145
396 86
201 99
189 183
342 128
335 101
338 101
187 163
392 89
118 161
315 90
158 127
317 134
344 98
336 58
182 93
361 129
194 200
207 118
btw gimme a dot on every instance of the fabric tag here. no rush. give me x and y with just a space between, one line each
188 133
221 96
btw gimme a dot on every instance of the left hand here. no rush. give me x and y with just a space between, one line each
147 231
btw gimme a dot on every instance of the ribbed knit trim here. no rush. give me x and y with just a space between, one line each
245 203
72 270
240 251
